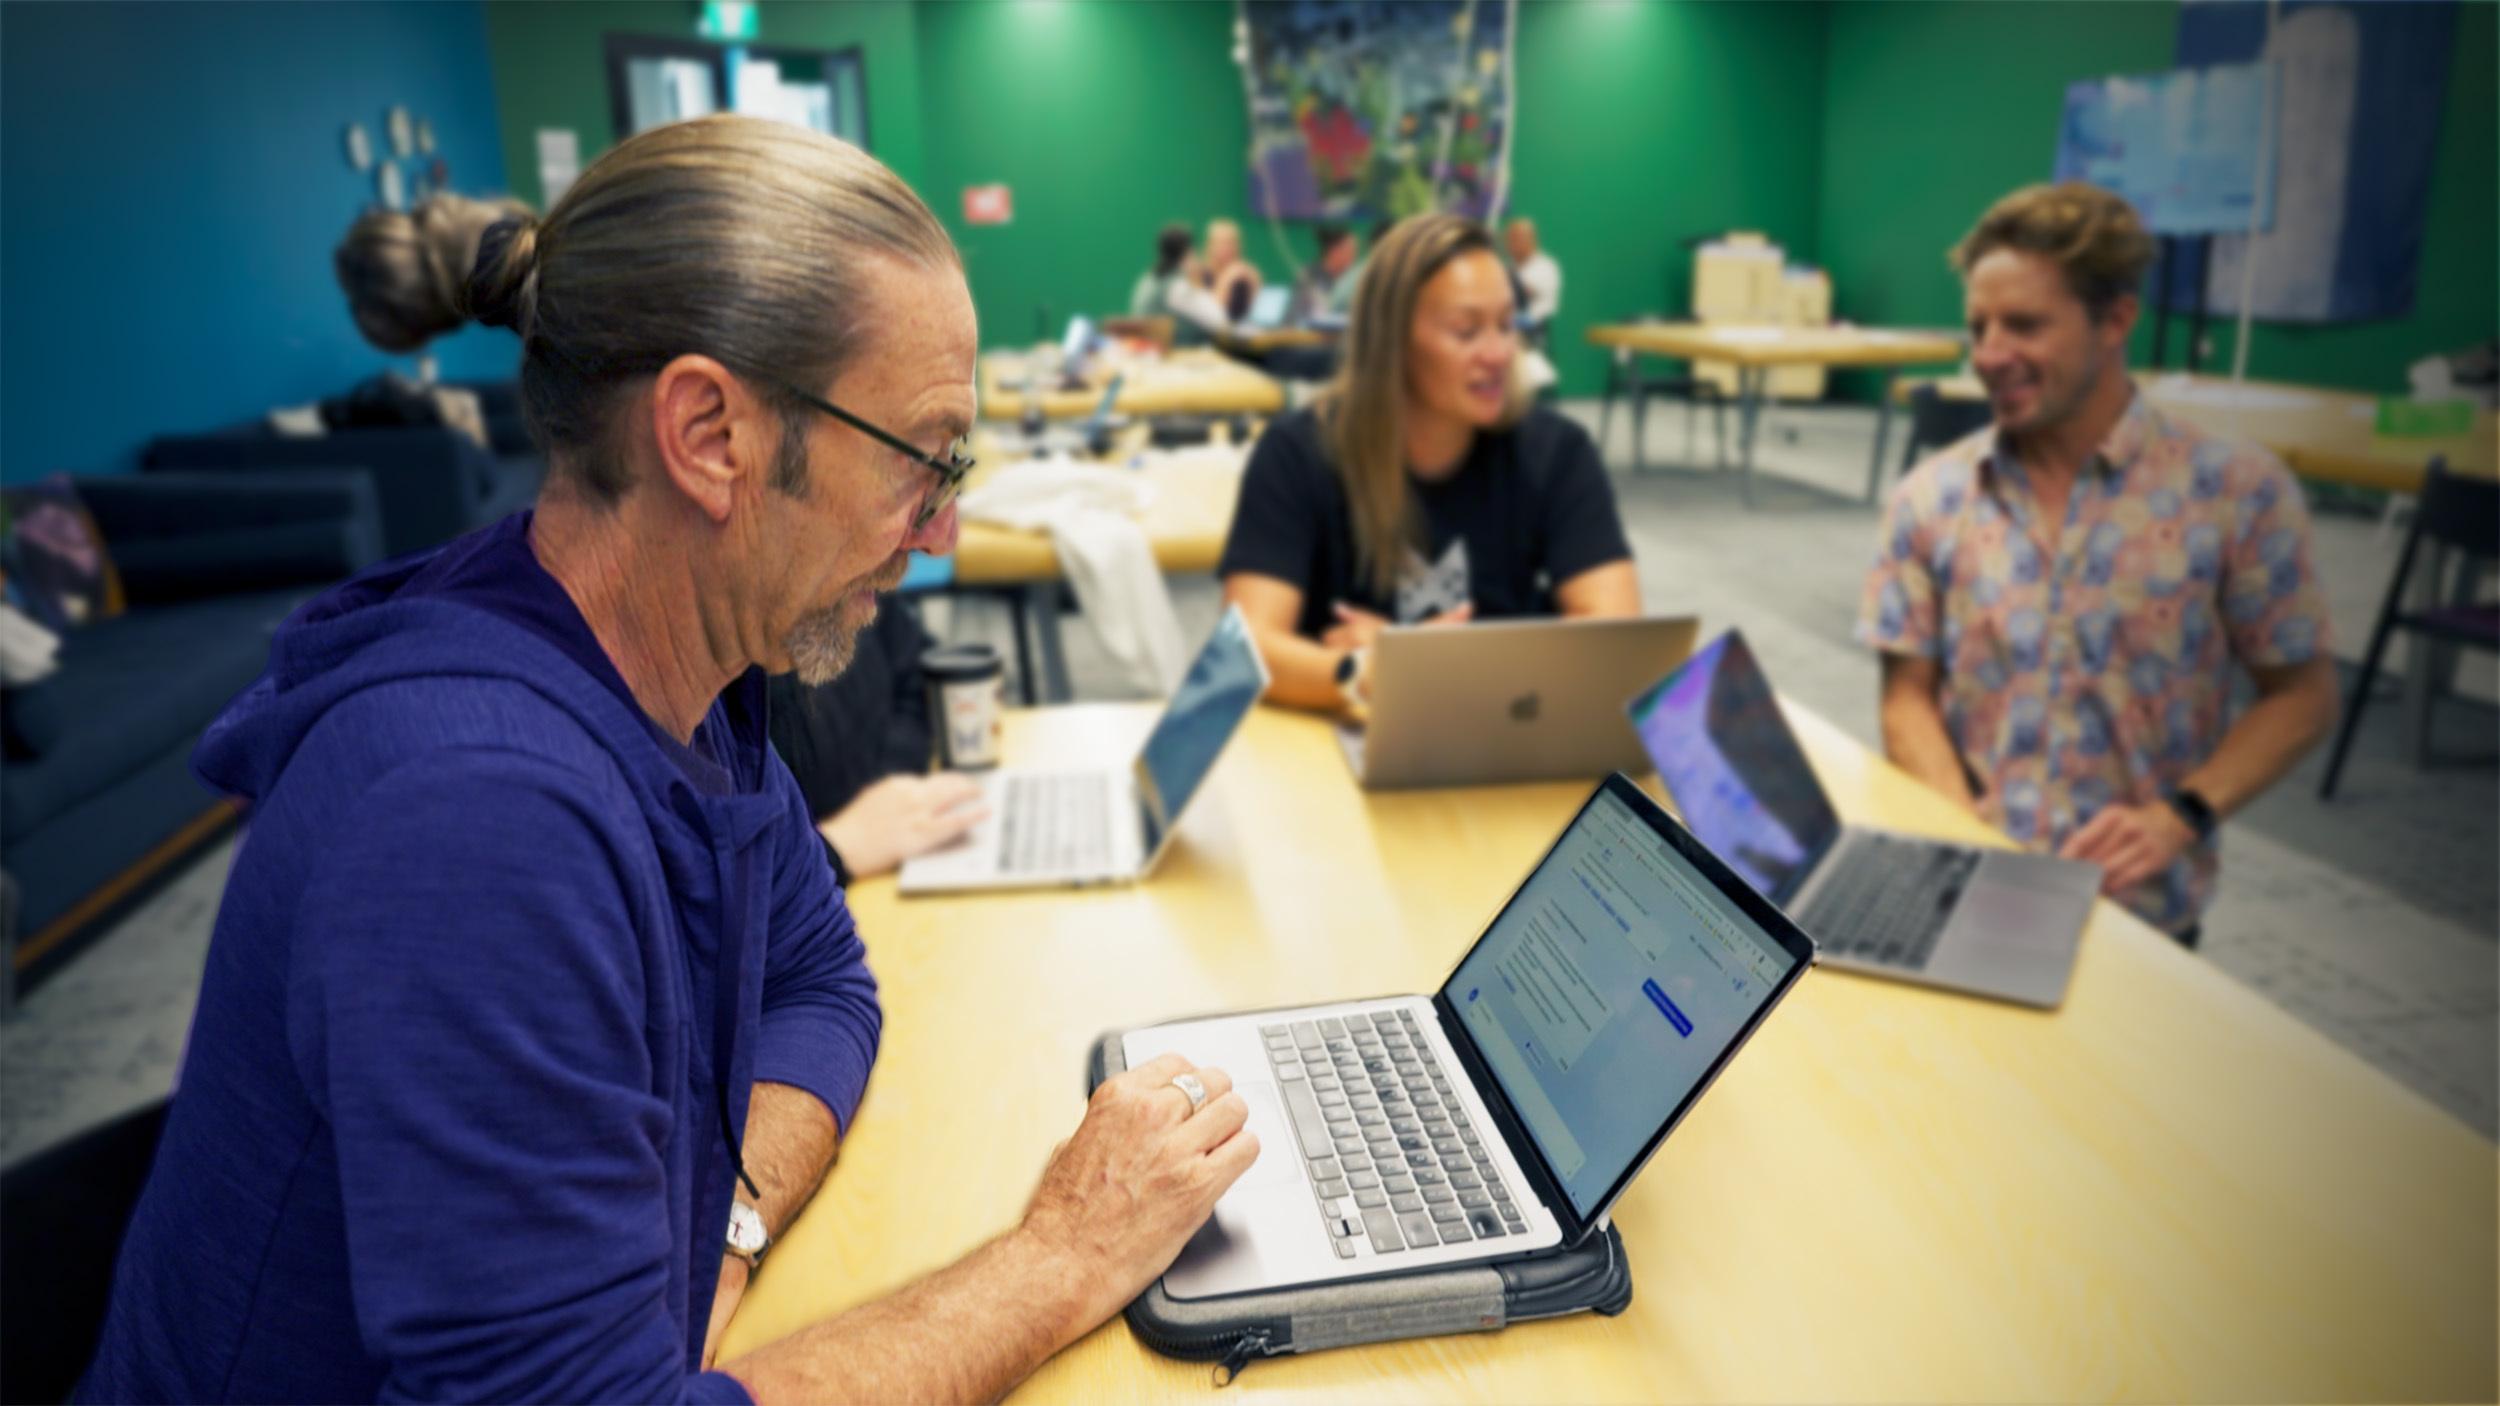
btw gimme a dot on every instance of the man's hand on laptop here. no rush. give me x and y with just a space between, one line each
2130 843
1141 1174
902 817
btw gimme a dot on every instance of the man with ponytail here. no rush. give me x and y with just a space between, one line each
533 1012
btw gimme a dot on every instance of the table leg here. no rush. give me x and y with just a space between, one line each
1750 382
1883 432
1025 683
1041 602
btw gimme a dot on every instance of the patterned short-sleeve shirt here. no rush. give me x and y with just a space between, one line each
2091 662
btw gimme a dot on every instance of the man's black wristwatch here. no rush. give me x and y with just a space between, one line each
2196 811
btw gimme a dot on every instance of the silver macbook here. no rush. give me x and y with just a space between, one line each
1268 308
1996 922
1508 700
1504 1114
1105 825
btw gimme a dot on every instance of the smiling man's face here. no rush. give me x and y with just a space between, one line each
2034 344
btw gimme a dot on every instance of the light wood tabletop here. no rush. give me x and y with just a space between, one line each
1781 346
2167 1190
1755 350
1186 520
2328 435
1199 381
1268 339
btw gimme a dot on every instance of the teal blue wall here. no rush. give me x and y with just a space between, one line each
176 181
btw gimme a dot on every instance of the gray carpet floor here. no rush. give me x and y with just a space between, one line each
2374 919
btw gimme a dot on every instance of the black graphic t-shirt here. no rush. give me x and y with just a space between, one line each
1529 507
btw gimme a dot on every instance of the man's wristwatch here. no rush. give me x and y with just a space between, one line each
748 1239
1350 677
2196 811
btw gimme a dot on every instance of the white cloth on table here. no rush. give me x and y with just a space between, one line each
1090 513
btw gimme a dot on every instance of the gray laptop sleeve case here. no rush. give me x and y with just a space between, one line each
1237 1329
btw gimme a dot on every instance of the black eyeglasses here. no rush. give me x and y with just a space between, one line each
950 470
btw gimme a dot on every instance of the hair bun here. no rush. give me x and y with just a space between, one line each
503 284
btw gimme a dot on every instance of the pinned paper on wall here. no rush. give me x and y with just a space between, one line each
988 205
559 161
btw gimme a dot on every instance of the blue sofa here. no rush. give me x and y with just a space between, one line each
432 483
97 795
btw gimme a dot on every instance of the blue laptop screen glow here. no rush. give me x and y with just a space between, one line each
1607 990
1223 682
1714 731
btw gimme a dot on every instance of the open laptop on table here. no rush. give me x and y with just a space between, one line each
1508 700
1110 824
1504 1114
1267 309
1996 922
1077 349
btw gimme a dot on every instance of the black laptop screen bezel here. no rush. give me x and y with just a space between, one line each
1733 643
1765 914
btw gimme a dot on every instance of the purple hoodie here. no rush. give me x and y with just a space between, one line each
450 1121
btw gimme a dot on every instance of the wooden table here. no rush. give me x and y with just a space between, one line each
2166 1191
2330 436
1186 522
1260 341
1755 350
1199 381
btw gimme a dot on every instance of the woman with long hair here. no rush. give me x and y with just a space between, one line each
1423 486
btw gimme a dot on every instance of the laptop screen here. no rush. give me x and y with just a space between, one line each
1077 347
1608 991
1223 682
1739 778
1269 307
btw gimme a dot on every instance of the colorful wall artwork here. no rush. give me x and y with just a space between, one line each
1364 109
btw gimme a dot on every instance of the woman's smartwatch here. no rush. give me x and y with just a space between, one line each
2196 811
1350 667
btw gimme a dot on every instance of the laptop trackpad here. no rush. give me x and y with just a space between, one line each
2015 930
1278 1161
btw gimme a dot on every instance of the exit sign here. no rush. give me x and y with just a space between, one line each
728 19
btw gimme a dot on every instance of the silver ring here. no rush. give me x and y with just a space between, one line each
1195 1089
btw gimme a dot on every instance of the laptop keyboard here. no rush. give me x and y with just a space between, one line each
1054 822
1889 900
1392 1154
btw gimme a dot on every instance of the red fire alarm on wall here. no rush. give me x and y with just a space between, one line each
988 205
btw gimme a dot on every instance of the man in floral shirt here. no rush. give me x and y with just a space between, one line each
2060 599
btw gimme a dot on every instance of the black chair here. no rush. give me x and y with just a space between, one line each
62 1214
2457 514
1626 380
1937 420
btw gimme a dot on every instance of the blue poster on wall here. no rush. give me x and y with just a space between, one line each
2186 148
2361 91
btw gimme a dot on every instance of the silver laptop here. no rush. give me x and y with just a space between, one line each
1508 700
1268 308
1504 1114
1997 922
1105 825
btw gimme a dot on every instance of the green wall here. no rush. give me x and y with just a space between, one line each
1110 119
551 68
1862 136
1106 121
1934 108
1642 125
